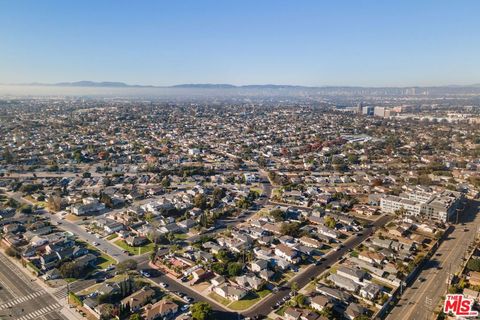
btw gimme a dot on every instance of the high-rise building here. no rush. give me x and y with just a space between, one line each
368 110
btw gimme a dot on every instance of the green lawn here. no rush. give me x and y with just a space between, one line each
218 298
180 236
104 260
112 236
135 250
249 300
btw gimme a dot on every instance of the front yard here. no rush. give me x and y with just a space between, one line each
135 250
248 301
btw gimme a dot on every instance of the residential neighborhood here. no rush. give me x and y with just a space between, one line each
136 210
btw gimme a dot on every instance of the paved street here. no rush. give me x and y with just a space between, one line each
103 245
23 299
420 298
305 277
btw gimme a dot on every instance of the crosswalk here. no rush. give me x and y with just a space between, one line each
61 294
40 312
16 301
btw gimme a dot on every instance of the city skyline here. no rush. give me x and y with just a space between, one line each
370 44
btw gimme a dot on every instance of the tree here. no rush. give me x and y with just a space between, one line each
71 270
294 287
25 208
474 265
153 254
11 252
7 155
200 201
290 229
165 182
201 310
218 193
330 222
327 312
300 300
107 311
126 265
277 215
55 203
135 316
234 269
362 317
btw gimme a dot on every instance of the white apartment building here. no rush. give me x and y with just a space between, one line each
424 205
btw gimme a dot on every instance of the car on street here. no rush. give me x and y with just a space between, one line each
145 273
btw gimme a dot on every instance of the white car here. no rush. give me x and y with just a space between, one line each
95 243
163 285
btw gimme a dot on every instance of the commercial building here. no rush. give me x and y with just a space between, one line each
424 205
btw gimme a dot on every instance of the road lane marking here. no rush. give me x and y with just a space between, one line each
19 300
428 284
41 312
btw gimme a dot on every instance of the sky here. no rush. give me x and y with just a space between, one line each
314 43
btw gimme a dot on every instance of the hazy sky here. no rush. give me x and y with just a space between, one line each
332 42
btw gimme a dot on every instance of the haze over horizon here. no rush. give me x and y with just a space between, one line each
352 43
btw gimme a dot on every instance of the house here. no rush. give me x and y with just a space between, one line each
354 310
187 224
135 241
163 309
328 232
230 292
286 252
137 299
112 226
71 252
87 260
48 261
258 265
88 205
200 274
218 280
52 274
371 257
336 294
319 302
310 242
170 228
250 280
292 314
343 283
382 243
266 274
370 291
354 274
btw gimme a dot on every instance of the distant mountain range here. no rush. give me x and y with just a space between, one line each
89 84
112 84
224 89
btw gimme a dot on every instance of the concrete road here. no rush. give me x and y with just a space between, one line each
22 298
103 245
423 295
